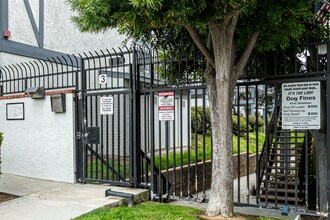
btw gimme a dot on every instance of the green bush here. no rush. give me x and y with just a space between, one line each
253 123
243 127
199 116
1 139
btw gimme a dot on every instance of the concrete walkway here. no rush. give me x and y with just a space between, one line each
42 199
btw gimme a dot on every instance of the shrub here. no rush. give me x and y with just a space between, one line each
199 116
253 123
242 125
1 139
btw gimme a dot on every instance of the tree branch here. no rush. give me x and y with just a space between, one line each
210 48
234 19
198 41
246 55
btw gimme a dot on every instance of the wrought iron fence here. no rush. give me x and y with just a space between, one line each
173 158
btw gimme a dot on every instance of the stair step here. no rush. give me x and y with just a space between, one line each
280 190
293 148
281 198
288 137
288 142
285 161
291 132
282 168
283 155
293 183
281 175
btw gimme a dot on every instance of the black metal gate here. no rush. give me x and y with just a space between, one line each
106 119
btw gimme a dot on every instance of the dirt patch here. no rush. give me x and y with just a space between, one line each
6 197
308 217
235 217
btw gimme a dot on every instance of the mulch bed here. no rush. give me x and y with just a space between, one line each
308 217
6 197
235 217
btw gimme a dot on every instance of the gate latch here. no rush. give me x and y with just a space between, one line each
78 135
92 135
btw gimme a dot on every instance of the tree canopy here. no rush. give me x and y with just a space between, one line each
277 22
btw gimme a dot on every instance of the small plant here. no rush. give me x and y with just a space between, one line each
243 127
253 123
197 116
253 190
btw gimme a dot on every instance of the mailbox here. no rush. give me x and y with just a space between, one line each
58 103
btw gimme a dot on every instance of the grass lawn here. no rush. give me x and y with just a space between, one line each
151 211
175 160
183 158
197 152
107 174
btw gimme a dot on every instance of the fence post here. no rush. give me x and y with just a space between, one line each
327 128
81 124
136 120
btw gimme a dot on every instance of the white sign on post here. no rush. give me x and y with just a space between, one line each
106 105
301 104
166 106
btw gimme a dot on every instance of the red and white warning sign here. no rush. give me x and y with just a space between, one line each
166 106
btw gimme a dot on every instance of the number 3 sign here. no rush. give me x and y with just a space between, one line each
103 78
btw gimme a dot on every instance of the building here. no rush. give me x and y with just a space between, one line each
41 29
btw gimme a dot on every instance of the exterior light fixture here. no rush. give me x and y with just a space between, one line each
36 92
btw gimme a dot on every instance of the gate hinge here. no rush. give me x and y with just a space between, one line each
80 95
78 135
132 96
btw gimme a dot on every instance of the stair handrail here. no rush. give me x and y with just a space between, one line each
271 130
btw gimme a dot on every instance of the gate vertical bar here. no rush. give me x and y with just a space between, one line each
78 127
82 120
327 128
152 132
136 121
131 124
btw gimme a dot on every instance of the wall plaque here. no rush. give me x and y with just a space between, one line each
15 111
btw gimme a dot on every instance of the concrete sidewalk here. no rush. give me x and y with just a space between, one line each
42 199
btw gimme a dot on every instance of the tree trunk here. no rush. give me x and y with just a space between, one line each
222 72
221 196
220 89
320 141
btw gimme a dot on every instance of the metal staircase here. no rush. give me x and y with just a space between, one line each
283 164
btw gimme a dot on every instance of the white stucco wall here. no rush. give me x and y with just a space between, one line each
160 138
41 145
60 33
6 58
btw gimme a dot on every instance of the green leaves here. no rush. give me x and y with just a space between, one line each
94 15
148 4
278 22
